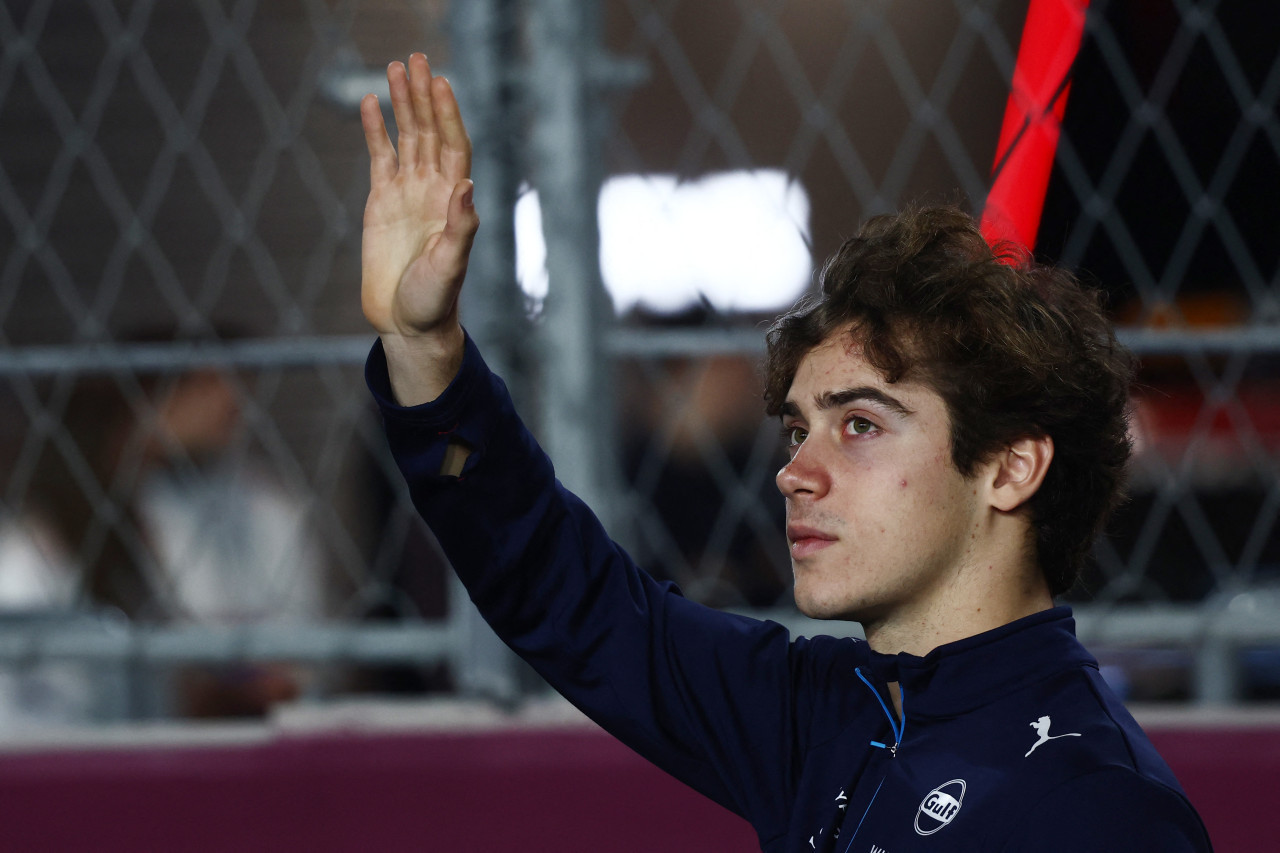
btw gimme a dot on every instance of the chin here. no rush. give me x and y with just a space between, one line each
817 607
837 603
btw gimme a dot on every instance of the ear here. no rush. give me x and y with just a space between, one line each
1019 470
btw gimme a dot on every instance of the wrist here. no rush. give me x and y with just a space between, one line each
422 365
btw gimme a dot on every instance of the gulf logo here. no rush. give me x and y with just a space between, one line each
939 807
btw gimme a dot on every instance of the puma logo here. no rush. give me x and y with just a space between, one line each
1042 730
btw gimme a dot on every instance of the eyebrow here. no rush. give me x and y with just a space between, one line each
845 396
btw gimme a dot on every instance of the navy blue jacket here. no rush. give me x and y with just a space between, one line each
1009 740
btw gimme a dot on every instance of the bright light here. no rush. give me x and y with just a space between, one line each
738 239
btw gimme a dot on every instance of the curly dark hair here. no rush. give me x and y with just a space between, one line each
1014 348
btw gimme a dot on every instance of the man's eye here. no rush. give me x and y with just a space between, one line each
795 435
859 426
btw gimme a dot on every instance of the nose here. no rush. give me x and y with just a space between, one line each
805 476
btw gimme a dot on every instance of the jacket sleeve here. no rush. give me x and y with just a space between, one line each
1114 810
710 697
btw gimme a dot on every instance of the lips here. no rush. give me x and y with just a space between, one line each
807 540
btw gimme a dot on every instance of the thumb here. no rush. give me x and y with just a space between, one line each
461 221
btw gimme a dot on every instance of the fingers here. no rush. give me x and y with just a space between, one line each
382 155
402 106
455 146
428 139
428 121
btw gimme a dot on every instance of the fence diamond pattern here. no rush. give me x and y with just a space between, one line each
180 196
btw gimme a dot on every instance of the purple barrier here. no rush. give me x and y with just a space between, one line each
1232 775
530 789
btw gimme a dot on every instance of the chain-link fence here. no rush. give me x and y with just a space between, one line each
199 515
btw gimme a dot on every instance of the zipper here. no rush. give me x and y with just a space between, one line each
898 727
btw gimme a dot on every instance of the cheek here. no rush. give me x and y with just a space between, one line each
920 489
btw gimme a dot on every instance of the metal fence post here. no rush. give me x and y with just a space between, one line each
483 36
568 68
1216 674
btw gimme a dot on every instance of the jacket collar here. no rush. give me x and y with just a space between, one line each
958 677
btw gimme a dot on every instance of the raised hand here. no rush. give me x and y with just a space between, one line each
419 224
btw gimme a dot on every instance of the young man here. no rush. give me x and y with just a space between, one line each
957 433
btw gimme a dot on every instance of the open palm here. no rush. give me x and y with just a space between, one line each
419 222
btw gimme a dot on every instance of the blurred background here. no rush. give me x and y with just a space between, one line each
198 514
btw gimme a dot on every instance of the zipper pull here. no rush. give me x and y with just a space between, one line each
893 750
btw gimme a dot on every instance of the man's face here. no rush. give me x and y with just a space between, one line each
878 518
